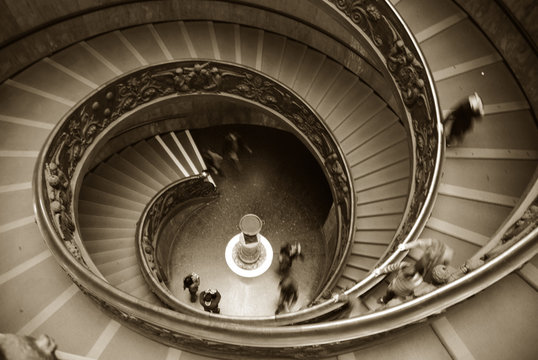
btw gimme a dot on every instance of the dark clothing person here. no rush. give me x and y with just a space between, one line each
462 118
191 282
288 253
210 299
288 294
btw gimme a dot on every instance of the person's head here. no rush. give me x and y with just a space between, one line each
208 296
440 274
475 101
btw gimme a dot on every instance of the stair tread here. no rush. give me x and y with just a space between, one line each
113 175
369 250
369 146
354 273
382 121
460 43
385 192
87 221
225 36
92 208
248 45
273 47
345 283
382 160
90 194
126 273
97 246
362 262
98 182
123 165
141 163
45 77
148 152
109 269
166 157
114 50
349 106
108 256
453 90
98 234
145 44
379 222
190 148
395 172
323 82
132 284
437 12
366 110
79 60
335 96
198 32
391 206
383 237
170 140
293 53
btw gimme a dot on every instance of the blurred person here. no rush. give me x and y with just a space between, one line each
288 294
461 119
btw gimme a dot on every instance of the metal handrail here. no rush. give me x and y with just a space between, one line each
212 336
407 66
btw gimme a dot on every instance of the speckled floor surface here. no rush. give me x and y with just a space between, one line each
281 183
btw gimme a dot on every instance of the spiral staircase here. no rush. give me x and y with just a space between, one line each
483 187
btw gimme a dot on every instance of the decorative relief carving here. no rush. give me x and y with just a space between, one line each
81 128
408 72
152 218
402 61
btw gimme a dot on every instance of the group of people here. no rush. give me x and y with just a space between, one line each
233 145
432 269
209 298
288 285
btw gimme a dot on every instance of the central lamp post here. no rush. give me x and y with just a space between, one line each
249 254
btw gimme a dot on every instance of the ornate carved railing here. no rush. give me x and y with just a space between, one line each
88 124
155 215
73 139
397 48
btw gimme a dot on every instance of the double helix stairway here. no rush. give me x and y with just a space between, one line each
483 178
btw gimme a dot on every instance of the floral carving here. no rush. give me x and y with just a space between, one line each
380 25
59 197
254 87
84 124
152 218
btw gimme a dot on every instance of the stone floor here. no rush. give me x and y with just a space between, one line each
281 183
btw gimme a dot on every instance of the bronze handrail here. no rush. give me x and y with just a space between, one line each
213 337
379 22
91 121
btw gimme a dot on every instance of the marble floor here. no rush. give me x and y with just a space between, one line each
280 182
